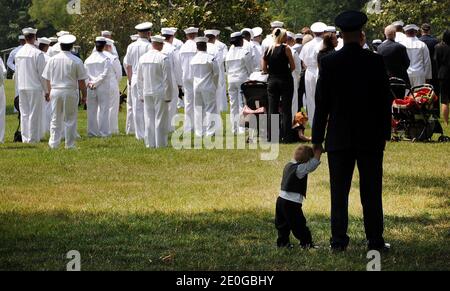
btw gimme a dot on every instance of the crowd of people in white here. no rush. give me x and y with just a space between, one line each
205 72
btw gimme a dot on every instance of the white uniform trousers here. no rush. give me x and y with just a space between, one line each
129 127
46 117
311 79
417 80
138 111
222 100
155 115
114 109
64 104
236 106
2 114
205 113
98 105
189 105
173 110
296 97
30 104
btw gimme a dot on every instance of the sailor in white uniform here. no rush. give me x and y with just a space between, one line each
176 42
65 75
98 67
30 63
134 52
308 56
269 40
115 78
173 56
221 98
399 36
256 42
296 74
129 123
11 63
420 68
43 45
239 67
2 101
205 70
298 43
154 87
187 52
56 48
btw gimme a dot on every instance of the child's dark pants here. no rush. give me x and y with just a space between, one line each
289 218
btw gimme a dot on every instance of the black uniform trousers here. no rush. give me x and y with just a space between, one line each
289 218
280 92
301 91
370 165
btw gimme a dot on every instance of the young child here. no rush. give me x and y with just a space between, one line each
299 125
289 215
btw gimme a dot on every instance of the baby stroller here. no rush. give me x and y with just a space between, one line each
416 116
256 103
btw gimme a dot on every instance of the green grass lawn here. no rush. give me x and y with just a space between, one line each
128 208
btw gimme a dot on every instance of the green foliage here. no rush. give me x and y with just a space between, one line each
120 16
14 17
434 12
51 13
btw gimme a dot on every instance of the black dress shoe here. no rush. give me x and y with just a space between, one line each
382 249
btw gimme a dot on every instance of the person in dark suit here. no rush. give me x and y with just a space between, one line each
431 43
395 56
358 124
442 58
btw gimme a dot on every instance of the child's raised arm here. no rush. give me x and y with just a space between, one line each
307 168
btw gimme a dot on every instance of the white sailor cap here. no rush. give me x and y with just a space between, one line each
191 30
167 31
158 38
249 30
110 42
44 40
398 23
411 27
277 24
210 32
67 39
201 39
100 39
257 31
61 33
29 30
377 41
106 33
21 37
330 29
318 27
236 34
145 26
299 36
53 39
215 32
290 34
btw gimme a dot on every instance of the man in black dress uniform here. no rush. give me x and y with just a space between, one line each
395 55
431 43
358 123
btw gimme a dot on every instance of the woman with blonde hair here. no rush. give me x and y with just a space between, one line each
279 63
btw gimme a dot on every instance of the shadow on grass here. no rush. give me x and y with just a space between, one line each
440 186
217 240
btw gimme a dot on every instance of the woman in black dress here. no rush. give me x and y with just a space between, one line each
279 63
330 42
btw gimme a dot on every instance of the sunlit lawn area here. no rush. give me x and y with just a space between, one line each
125 207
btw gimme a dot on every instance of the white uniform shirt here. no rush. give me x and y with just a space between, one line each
64 71
54 50
177 43
187 52
239 65
30 64
116 72
205 70
135 51
11 58
154 77
174 58
400 37
257 55
2 72
98 68
419 56
222 48
298 63
309 54
298 48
